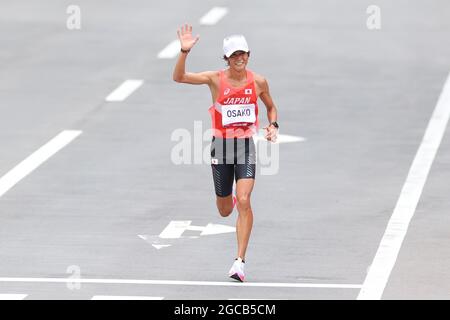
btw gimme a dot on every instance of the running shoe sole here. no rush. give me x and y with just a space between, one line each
236 277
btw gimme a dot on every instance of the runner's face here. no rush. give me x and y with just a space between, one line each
238 60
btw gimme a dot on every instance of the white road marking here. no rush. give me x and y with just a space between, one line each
390 244
126 298
155 242
124 90
282 138
160 246
36 159
13 296
285 138
213 16
195 228
171 50
189 283
212 228
175 230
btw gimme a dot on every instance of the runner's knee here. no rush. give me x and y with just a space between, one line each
243 200
225 208
225 212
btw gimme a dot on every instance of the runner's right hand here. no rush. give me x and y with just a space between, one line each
187 41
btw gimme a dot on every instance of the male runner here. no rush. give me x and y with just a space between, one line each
234 115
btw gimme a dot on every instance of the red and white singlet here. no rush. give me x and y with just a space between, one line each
235 112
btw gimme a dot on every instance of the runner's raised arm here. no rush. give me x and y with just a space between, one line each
187 42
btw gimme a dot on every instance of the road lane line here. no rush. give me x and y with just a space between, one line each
13 296
213 16
36 159
388 250
170 51
189 283
126 298
124 90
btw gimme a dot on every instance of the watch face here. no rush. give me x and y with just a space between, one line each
275 124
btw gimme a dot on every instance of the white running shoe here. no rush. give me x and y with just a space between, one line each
237 270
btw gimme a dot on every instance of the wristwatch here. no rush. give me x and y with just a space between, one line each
275 124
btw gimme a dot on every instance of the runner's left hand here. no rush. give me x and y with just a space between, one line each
271 133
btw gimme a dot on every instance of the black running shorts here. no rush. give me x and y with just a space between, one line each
231 159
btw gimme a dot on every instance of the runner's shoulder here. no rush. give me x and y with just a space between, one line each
260 80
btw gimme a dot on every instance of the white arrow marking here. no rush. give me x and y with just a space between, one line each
216 229
285 138
160 246
175 230
142 237
155 242
195 228
282 138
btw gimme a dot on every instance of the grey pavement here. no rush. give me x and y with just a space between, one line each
361 98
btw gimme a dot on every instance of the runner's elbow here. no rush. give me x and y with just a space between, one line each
178 78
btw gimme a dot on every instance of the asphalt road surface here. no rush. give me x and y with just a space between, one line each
88 185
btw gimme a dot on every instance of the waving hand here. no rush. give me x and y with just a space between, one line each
187 41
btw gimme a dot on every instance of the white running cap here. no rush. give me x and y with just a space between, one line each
234 43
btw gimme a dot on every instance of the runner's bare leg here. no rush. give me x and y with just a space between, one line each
244 221
225 205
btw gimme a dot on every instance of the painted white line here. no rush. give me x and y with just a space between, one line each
170 51
124 90
195 228
174 229
281 138
285 138
189 283
160 246
36 159
212 228
126 298
386 255
213 16
13 296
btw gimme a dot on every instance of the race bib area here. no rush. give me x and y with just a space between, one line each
238 115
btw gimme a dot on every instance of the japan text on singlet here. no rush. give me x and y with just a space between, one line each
235 112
